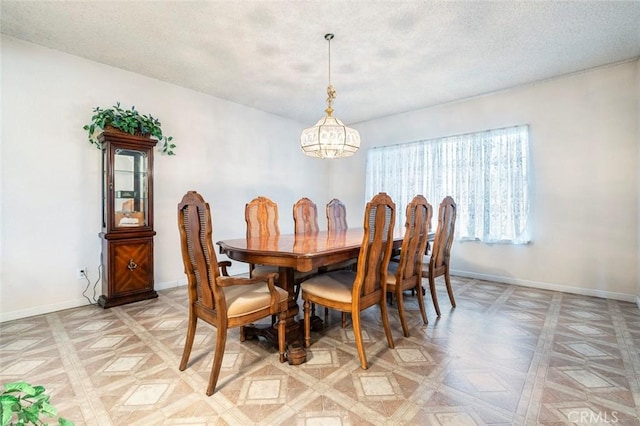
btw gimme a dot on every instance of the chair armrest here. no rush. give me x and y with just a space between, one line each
223 267
226 281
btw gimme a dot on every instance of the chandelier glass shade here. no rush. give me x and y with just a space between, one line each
329 138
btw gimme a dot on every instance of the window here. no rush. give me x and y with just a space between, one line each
486 173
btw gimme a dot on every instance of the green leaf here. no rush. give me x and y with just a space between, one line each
48 409
8 405
31 416
64 422
39 391
7 399
5 416
19 387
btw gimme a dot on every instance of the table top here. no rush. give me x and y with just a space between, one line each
298 244
303 251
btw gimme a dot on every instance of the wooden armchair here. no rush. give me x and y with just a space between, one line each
349 291
216 298
406 274
441 251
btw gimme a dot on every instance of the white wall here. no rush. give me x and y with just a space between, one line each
585 187
50 186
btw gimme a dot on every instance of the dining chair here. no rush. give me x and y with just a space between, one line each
216 298
305 220
406 274
261 216
349 291
305 217
336 215
441 251
337 222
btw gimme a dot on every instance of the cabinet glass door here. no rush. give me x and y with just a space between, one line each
130 185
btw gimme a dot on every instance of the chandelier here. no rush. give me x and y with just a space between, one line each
329 138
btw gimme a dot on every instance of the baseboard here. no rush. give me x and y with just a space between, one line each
551 286
47 309
40 310
170 284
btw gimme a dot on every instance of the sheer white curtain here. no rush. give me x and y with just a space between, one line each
486 173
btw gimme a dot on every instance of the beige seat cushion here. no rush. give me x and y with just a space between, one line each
335 285
391 273
245 299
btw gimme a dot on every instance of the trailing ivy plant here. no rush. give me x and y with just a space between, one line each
24 404
129 121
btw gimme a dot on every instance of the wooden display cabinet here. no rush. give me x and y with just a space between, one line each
127 219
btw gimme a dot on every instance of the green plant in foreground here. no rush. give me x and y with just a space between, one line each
23 404
129 121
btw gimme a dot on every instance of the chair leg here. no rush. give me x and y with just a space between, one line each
307 323
385 322
188 344
221 341
344 320
434 295
296 291
447 281
357 332
423 311
403 319
282 329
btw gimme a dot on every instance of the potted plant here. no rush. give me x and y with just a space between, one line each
24 404
128 121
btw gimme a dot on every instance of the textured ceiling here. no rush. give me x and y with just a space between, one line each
387 56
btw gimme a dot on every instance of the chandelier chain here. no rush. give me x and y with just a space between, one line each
329 60
331 92
329 138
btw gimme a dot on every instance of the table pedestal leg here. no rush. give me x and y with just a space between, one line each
296 353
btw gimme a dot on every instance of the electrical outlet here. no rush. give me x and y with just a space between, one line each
82 273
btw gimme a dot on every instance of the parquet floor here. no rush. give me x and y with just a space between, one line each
507 355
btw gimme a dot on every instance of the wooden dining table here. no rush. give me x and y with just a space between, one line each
297 252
